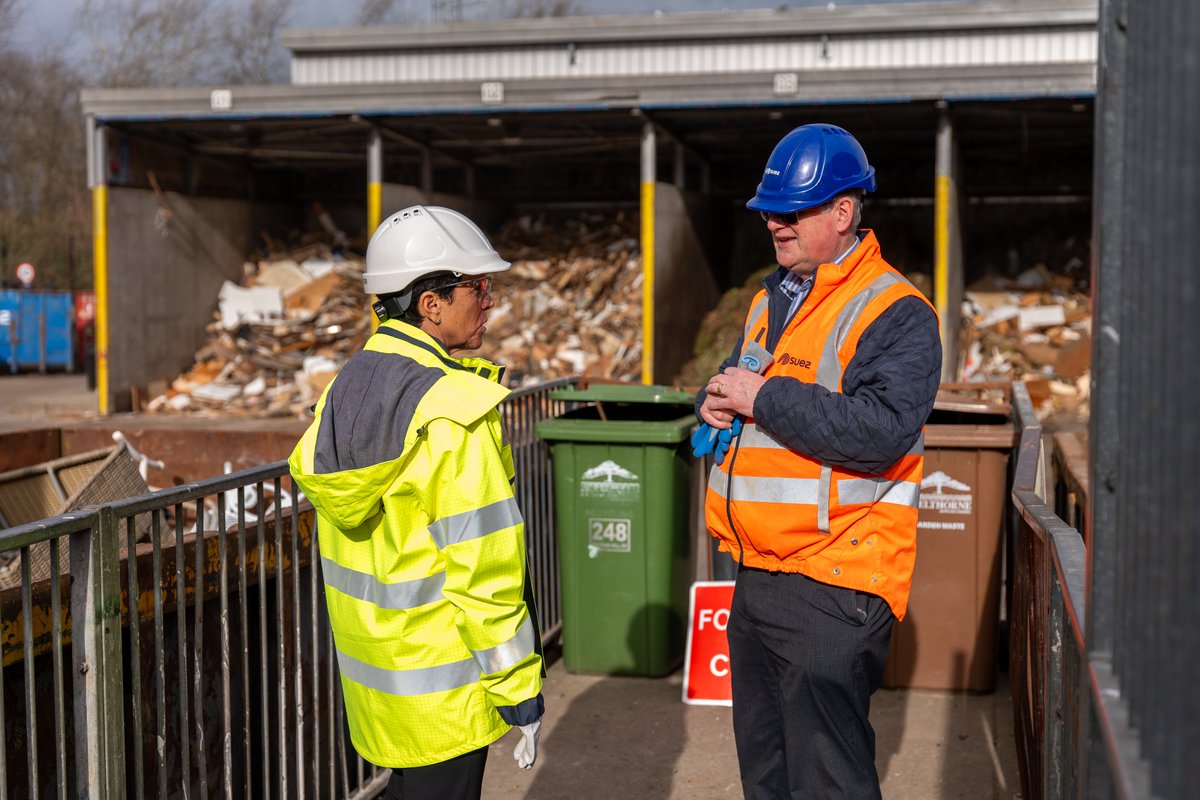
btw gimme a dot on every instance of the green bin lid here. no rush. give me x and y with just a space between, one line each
652 431
625 393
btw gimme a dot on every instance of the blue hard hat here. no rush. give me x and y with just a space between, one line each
810 166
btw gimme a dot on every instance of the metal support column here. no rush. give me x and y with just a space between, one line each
96 658
374 197
649 174
374 180
97 157
680 165
947 238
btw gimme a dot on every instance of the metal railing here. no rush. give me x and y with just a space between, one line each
1073 736
201 661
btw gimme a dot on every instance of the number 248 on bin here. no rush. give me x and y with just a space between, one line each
608 534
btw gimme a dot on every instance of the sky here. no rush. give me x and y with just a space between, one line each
47 22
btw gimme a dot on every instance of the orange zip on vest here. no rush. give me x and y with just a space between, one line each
794 513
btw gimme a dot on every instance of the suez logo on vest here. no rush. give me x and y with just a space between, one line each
959 501
787 359
611 481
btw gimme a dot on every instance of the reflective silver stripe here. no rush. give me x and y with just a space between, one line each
410 682
504 657
475 523
903 493
753 316
816 491
856 491
716 479
767 490
403 595
754 436
853 491
829 371
823 499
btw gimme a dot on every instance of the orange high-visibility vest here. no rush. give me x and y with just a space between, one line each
793 513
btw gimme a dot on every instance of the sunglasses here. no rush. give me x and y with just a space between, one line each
792 217
482 286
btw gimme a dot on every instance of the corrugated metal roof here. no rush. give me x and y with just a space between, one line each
947 36
966 15
944 50
874 54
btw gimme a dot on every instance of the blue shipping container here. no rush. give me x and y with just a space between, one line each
36 330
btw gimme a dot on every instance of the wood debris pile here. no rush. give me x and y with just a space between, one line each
276 341
1035 328
570 304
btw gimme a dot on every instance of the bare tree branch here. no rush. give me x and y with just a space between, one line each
149 42
44 212
542 8
10 12
250 49
384 12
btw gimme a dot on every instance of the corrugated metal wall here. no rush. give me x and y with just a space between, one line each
899 51
1144 605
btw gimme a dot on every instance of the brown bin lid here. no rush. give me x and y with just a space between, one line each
985 399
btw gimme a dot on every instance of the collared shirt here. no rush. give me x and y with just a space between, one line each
796 288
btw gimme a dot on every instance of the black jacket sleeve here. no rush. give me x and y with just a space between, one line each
888 390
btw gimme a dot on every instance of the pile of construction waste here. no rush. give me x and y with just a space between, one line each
1035 328
277 339
570 304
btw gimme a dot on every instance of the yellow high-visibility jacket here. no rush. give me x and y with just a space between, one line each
422 551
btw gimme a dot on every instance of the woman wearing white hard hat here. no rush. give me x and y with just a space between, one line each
422 543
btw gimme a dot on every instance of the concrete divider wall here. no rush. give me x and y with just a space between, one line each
165 270
684 285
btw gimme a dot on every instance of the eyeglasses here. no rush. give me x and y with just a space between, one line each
482 286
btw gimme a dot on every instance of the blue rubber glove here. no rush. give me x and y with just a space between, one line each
703 440
724 437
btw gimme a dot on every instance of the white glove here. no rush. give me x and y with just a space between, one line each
526 750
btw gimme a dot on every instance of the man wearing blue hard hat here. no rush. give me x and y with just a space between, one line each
815 424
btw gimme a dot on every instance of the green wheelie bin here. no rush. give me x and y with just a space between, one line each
621 492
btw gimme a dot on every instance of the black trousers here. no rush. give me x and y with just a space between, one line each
460 778
805 658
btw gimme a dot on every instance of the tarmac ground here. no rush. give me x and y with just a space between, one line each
621 738
631 738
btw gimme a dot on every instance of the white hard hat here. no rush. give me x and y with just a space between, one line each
422 240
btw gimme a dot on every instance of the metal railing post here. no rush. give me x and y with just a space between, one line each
96 657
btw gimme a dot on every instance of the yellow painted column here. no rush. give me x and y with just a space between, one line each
649 173
97 161
941 244
100 284
374 200
947 245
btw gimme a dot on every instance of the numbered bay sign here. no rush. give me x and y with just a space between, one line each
706 663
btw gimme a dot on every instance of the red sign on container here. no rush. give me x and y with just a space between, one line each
706 664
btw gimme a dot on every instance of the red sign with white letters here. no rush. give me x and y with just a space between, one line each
706 664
